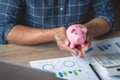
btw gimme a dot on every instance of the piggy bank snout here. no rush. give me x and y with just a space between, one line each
79 40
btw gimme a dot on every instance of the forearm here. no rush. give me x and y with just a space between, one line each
97 27
24 35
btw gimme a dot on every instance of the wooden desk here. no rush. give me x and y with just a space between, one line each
24 54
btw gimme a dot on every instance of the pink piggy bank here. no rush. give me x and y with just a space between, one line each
76 34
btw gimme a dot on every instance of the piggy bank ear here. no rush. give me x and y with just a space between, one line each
84 29
73 30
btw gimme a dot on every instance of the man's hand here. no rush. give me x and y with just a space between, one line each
63 43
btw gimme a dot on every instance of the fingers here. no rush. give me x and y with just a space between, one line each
70 50
80 52
62 41
65 46
88 42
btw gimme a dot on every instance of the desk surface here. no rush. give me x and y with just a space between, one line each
24 54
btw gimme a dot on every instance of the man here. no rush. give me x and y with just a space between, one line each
29 22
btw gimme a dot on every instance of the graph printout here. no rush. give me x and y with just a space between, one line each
70 68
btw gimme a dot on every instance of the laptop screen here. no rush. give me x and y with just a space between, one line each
10 71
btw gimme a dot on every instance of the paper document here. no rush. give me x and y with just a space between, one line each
70 68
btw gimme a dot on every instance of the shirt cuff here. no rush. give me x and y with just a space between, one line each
8 27
110 21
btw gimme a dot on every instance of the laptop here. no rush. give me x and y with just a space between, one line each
10 71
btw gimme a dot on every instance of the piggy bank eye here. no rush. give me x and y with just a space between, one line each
82 32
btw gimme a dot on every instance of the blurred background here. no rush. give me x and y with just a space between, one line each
116 5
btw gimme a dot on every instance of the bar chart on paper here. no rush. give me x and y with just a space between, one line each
67 68
105 46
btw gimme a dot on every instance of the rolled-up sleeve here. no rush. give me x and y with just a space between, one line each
9 10
103 9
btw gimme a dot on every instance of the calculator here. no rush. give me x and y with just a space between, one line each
108 59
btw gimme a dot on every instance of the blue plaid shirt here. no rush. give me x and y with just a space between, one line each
50 13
